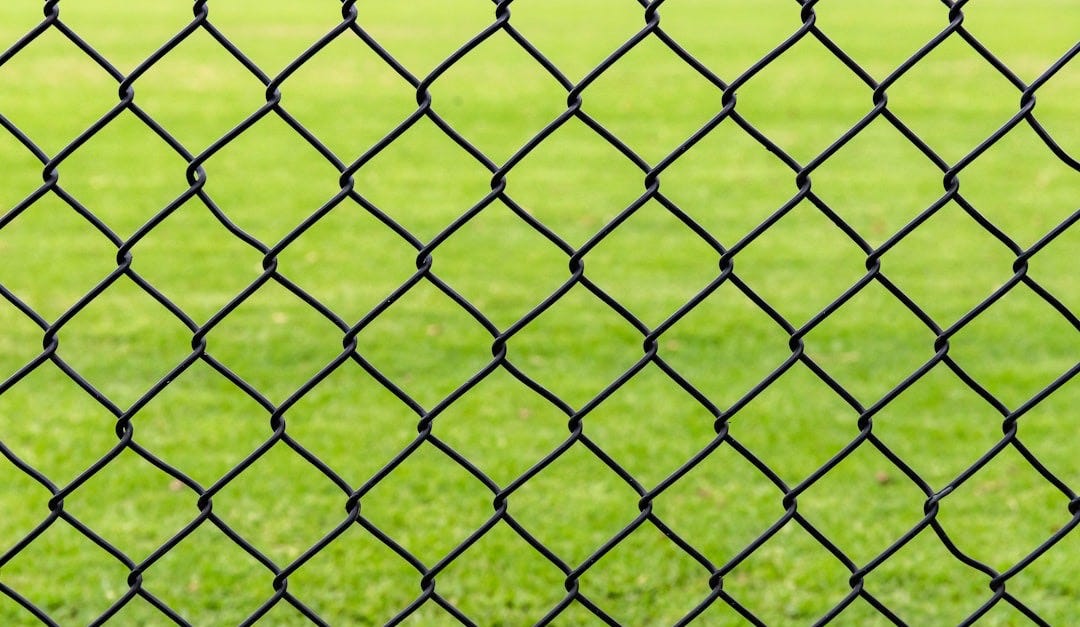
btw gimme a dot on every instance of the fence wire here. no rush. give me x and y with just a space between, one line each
713 575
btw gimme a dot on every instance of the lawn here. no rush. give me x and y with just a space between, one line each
426 359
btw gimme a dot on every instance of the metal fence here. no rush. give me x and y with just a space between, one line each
713 575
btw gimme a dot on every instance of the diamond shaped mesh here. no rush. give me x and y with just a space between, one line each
526 346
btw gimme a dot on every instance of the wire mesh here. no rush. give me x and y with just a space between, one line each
350 333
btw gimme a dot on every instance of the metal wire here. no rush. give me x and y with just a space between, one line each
426 252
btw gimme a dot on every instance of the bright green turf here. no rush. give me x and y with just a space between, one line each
268 180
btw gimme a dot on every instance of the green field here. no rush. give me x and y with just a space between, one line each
268 180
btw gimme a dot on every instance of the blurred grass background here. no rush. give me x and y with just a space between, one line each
269 179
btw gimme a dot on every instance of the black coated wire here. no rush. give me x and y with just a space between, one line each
712 574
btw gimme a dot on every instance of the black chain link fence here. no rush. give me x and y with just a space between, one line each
713 575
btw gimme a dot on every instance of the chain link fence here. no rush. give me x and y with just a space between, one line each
712 584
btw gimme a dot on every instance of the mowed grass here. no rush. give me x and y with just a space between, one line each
269 180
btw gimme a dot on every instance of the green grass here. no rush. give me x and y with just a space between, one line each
268 180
